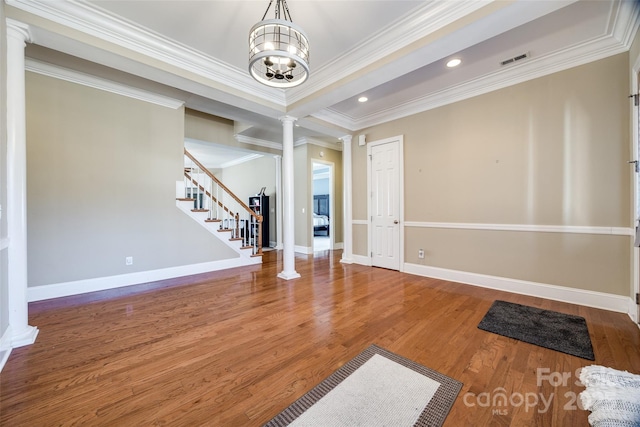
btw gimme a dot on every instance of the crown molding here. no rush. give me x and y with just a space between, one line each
593 50
304 140
240 160
96 22
278 146
259 142
419 23
428 18
77 77
339 119
625 22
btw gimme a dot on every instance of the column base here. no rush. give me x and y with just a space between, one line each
24 337
288 275
346 260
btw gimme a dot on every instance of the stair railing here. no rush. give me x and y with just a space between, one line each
222 205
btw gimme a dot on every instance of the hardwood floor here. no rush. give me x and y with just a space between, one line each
234 348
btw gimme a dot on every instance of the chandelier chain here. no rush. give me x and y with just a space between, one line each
287 14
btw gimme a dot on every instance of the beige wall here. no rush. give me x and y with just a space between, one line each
551 151
303 157
205 127
101 173
359 184
248 178
301 191
243 180
335 157
360 239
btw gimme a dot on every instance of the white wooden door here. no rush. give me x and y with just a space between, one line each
385 205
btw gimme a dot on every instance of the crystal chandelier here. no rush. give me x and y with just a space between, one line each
278 50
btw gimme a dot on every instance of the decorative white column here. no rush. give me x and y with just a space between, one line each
347 227
279 205
21 333
288 256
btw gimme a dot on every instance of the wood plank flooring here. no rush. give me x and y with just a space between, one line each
234 348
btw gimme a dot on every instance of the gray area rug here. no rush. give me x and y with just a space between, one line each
375 388
549 329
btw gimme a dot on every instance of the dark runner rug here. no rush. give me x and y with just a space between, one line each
375 388
548 329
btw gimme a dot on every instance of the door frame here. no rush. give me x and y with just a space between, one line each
332 207
634 309
400 141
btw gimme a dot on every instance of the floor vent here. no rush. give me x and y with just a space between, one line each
515 59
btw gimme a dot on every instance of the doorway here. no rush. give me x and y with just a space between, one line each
386 189
323 206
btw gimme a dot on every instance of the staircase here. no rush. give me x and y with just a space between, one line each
210 203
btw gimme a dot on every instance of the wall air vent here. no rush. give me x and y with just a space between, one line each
515 59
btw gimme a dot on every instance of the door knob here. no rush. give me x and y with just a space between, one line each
395 222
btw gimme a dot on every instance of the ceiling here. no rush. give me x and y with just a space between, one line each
394 52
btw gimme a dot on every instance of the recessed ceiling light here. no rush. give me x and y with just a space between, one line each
363 99
454 62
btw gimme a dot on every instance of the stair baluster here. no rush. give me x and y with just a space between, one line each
222 206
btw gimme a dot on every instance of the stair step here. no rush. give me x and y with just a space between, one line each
255 255
185 199
225 229
199 210
212 220
246 247
233 239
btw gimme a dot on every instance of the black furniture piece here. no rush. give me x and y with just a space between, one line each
260 205
321 215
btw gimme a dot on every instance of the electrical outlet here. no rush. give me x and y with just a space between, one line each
128 260
421 253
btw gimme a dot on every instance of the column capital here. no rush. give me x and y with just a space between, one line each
288 119
347 139
18 30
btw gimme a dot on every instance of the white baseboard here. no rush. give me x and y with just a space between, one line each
587 298
26 337
307 250
57 290
346 260
633 311
5 347
361 259
4 356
